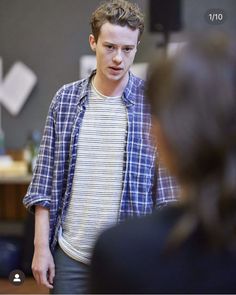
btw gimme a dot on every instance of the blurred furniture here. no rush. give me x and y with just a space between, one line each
16 224
12 191
13 187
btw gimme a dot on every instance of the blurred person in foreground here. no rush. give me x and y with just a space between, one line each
189 247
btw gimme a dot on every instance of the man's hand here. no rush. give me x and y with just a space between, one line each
43 267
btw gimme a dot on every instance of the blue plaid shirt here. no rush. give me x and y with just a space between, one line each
143 188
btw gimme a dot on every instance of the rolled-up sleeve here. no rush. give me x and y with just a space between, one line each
167 189
40 188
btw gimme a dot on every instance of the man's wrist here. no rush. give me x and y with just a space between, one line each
41 244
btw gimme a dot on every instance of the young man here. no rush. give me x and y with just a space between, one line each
96 164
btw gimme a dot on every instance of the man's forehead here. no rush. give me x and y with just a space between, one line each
117 34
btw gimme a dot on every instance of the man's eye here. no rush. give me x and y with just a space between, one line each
127 49
109 47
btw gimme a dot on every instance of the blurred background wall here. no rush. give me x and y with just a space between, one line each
50 36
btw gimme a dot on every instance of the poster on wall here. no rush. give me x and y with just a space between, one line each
16 87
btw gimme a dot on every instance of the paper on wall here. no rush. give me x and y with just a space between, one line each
140 69
16 87
87 65
175 47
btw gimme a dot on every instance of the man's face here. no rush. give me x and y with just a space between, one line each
115 51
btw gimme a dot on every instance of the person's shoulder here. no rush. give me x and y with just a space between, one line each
72 87
137 82
70 93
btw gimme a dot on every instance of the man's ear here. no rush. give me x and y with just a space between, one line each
92 42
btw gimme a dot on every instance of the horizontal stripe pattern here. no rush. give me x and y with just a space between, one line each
97 184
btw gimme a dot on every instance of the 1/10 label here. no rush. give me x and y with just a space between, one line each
215 16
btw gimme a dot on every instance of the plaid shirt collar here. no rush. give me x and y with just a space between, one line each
128 95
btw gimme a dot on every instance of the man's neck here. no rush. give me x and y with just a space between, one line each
109 87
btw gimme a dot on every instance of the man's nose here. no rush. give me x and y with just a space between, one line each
117 58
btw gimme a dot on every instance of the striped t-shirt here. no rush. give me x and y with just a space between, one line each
97 184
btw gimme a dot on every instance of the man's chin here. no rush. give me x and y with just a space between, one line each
117 76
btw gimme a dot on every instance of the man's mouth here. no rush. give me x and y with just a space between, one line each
115 68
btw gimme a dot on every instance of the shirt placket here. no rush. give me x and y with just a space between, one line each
73 153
